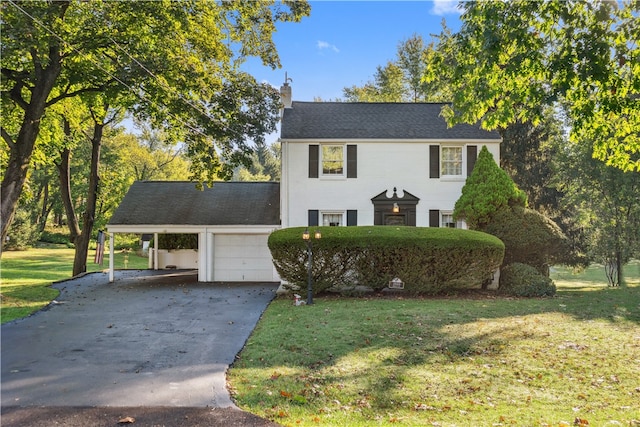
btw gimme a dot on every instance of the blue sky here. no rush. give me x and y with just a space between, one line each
342 42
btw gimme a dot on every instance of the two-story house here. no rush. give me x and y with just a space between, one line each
343 164
374 163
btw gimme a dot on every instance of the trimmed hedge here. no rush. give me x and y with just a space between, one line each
522 280
428 260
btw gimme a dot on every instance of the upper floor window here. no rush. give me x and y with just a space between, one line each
332 160
451 162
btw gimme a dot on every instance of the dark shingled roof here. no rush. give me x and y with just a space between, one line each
367 120
181 203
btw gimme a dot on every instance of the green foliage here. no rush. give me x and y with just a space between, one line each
531 238
56 236
401 80
427 260
175 64
487 190
522 280
264 164
606 205
178 241
527 154
23 233
512 59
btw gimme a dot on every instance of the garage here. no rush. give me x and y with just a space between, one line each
241 258
233 221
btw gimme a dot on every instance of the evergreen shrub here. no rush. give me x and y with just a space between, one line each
487 190
428 260
22 234
522 280
530 238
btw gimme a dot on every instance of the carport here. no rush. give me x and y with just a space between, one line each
233 221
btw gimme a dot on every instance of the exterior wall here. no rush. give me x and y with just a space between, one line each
180 258
225 253
381 165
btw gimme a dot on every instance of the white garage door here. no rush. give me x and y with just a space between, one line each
242 258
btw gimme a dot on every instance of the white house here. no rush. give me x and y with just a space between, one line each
343 164
374 163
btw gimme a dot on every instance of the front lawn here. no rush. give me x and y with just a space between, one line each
27 276
470 361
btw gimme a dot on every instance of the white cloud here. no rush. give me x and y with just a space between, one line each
322 45
445 7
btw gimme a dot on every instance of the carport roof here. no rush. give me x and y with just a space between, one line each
181 203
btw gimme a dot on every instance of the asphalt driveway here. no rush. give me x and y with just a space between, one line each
146 340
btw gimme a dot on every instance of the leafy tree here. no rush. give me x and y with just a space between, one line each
512 59
487 190
607 207
388 86
265 164
402 80
154 156
527 155
175 63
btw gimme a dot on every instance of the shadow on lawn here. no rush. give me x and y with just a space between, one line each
374 353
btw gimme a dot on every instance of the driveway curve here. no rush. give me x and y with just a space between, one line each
147 339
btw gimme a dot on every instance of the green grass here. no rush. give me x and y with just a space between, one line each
469 361
26 276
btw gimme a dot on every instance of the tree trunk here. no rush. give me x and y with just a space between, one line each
64 176
21 149
20 153
88 219
619 265
46 208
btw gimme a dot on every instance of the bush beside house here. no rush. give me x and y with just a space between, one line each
428 260
529 238
487 190
522 280
491 202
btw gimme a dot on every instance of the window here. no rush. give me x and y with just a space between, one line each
451 163
332 219
447 221
332 160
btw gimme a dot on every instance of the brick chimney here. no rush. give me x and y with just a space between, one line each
285 92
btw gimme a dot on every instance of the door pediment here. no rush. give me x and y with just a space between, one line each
394 210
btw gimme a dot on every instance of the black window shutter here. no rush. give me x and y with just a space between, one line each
313 217
352 161
472 155
352 217
434 161
434 218
314 156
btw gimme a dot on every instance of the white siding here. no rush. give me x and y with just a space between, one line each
382 165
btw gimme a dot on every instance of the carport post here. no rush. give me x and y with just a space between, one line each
111 256
155 251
